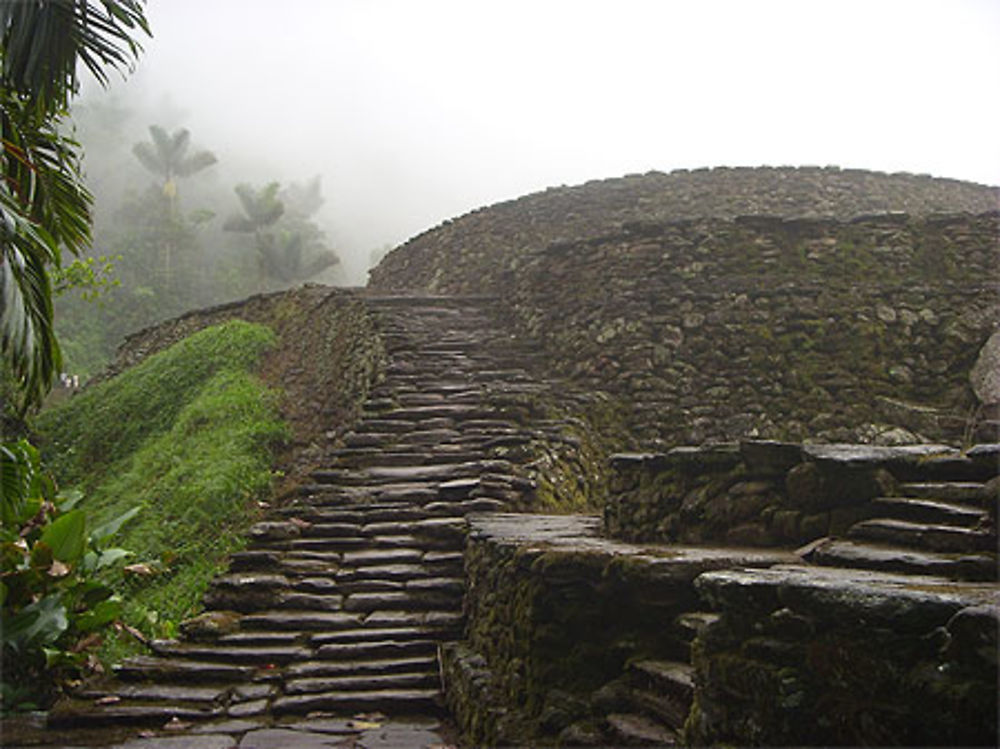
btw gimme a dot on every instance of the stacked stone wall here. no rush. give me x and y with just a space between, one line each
773 328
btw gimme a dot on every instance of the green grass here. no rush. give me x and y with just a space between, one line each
188 436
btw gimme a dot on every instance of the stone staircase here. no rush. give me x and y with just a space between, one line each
342 597
943 523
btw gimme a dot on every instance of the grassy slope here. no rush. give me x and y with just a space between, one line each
188 435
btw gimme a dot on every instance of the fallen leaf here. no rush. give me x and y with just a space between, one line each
363 725
111 699
140 568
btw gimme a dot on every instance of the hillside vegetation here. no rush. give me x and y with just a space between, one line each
188 436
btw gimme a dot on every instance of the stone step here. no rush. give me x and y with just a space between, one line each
416 474
384 700
663 688
405 600
944 538
84 714
153 668
971 492
428 679
396 572
376 634
229 653
929 511
870 556
300 621
173 693
436 620
398 455
377 649
312 669
638 730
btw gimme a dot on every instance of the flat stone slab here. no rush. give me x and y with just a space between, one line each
384 700
912 602
873 455
301 620
577 535
180 742
312 669
284 738
841 553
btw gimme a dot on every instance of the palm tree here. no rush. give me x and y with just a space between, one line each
167 157
44 206
281 254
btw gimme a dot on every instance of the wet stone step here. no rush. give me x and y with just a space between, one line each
150 668
377 649
301 621
311 669
638 730
373 557
870 556
386 700
437 620
258 639
83 715
396 572
667 677
374 634
370 585
461 508
157 693
407 600
929 511
363 682
409 474
922 536
955 491
670 709
219 653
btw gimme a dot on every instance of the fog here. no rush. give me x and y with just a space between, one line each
415 111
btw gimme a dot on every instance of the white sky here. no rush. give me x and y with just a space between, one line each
414 111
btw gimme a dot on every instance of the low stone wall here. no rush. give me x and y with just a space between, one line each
555 612
807 656
761 493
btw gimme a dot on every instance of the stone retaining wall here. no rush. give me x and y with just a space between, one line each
831 657
764 493
555 613
762 327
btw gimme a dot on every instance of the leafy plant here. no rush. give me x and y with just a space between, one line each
54 601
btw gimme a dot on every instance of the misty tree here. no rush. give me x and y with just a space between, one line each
168 157
289 245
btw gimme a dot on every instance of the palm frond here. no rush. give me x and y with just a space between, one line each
42 42
195 163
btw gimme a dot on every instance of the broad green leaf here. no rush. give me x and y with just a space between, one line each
68 499
110 528
103 613
108 557
67 535
42 622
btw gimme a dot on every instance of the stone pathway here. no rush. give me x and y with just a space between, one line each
332 617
